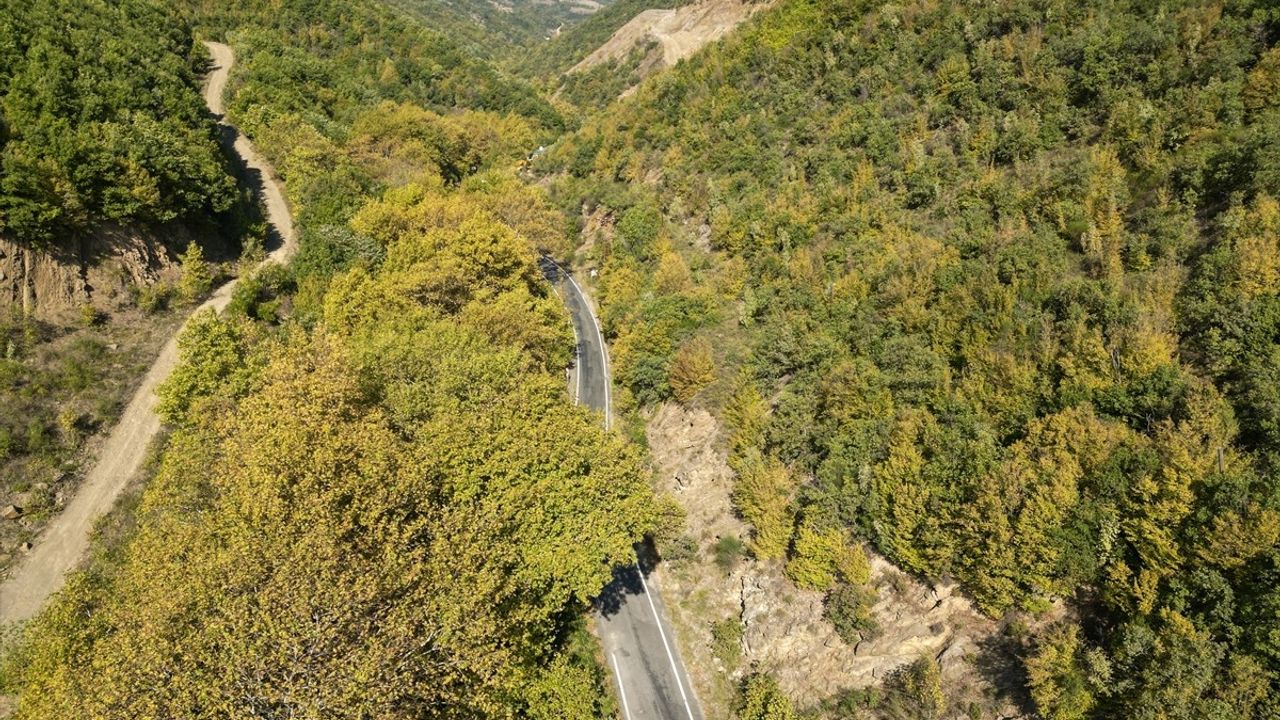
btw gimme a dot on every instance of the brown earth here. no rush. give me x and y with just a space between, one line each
98 268
784 631
66 538
679 33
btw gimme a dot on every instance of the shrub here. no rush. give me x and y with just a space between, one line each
819 556
726 642
152 298
762 699
729 551
848 608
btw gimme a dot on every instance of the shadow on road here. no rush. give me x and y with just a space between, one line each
248 177
626 581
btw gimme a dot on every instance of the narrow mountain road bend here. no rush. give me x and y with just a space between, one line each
639 644
66 539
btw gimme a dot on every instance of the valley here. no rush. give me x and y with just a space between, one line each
711 359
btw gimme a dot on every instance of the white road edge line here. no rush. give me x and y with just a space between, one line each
577 349
675 669
604 354
626 711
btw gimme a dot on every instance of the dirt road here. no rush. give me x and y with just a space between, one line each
66 539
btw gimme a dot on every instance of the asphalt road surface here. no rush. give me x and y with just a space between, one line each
62 545
639 644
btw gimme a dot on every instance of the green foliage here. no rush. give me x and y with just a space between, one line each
729 551
692 369
1058 678
219 362
153 297
197 276
848 608
822 555
762 496
726 642
1005 278
916 691
101 120
762 700
403 485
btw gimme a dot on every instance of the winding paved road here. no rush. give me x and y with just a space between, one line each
63 544
639 644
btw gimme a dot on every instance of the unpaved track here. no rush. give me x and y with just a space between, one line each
66 539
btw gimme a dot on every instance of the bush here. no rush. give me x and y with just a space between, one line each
152 298
762 699
729 551
820 556
848 608
726 642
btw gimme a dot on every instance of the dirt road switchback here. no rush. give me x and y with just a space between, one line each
66 539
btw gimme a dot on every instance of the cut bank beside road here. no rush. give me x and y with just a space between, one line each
66 539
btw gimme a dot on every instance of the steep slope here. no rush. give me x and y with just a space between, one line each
679 32
654 39
992 288
105 149
63 544
548 61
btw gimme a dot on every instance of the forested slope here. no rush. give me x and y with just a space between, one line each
395 514
377 500
995 287
101 119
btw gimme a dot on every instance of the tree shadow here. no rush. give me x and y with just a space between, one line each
999 662
626 581
248 178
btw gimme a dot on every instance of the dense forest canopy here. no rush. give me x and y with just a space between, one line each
991 286
998 286
394 514
377 499
100 119
332 57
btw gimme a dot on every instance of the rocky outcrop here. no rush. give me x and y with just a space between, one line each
675 34
95 268
784 629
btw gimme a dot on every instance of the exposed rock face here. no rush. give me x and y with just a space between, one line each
678 33
784 630
97 268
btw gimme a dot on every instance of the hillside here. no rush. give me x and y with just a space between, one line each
370 453
495 28
992 288
937 372
659 38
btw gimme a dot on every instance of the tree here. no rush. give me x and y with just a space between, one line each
197 277
762 495
1057 676
692 369
762 699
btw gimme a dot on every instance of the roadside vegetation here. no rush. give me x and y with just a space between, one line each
991 288
994 289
